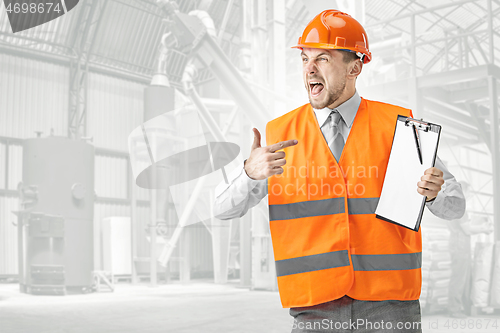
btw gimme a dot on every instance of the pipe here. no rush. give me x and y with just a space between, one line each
210 54
206 20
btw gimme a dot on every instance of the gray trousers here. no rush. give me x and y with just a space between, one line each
350 315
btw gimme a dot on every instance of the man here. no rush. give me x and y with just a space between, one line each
339 268
461 258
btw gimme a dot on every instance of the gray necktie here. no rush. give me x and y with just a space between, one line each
334 137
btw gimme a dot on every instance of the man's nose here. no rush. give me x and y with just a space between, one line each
310 67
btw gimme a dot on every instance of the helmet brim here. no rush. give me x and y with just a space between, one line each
367 57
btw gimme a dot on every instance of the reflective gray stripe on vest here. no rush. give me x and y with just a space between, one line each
362 205
298 210
386 262
315 262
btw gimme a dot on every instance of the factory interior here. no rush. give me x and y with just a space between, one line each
112 122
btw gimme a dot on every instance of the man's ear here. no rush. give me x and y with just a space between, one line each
355 68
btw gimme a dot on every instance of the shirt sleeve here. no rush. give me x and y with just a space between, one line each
234 199
450 201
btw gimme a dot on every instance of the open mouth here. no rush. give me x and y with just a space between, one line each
316 88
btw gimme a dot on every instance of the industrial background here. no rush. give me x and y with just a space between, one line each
125 258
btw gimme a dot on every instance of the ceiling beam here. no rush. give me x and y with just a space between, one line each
65 61
469 94
467 113
450 111
437 80
455 129
455 76
422 11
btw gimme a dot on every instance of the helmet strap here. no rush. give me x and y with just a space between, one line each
361 56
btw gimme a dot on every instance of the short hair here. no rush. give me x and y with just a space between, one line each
348 56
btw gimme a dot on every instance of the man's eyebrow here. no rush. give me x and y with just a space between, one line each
318 55
322 54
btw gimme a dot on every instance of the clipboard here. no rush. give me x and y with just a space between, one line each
399 202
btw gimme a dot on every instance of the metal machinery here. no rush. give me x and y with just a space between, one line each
55 221
192 34
159 99
189 35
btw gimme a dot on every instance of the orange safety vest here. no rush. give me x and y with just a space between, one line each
327 241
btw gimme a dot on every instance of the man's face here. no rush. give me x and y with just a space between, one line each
324 73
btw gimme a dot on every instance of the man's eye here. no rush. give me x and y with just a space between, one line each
322 59
304 59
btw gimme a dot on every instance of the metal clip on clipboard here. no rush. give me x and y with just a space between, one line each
419 124
422 125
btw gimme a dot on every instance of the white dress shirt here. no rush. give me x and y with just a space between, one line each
242 193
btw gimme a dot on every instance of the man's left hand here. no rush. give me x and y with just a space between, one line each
430 183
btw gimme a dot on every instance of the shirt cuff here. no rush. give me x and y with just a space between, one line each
239 180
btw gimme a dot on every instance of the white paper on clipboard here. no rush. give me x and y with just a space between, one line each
399 202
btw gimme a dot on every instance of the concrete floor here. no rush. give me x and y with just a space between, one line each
195 307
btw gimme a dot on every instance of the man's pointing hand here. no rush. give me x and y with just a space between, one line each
266 161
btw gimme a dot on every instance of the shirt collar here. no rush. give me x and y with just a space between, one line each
347 111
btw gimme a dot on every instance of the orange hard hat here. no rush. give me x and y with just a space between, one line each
333 29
